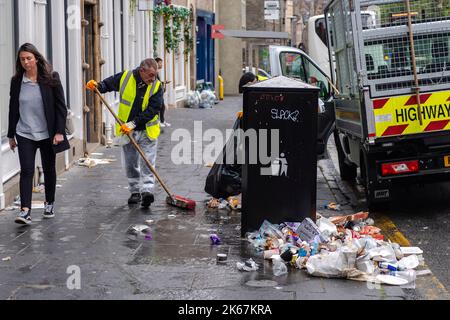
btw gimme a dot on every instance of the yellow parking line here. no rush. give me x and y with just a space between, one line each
432 290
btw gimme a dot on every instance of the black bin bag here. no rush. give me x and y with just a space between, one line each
225 179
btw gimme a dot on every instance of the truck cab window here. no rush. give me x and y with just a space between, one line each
299 67
321 31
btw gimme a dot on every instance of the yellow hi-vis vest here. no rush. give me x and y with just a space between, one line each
128 95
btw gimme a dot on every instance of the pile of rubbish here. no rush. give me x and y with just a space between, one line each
347 247
204 99
229 204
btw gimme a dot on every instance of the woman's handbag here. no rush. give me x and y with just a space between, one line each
70 128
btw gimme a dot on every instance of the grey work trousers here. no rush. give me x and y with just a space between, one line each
140 178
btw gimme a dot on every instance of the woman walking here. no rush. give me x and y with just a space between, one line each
37 118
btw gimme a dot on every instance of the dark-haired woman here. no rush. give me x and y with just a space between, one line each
37 117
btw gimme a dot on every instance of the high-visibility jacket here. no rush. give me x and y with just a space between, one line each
128 87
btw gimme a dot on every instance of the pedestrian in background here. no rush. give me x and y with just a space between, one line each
247 78
37 120
162 113
141 95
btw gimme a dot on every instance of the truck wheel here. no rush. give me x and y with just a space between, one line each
348 171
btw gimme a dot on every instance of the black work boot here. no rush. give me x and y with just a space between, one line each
147 199
135 198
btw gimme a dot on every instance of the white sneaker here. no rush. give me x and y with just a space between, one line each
167 124
162 125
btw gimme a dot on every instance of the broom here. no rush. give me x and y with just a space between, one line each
173 200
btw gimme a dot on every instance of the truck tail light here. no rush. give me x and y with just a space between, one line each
388 169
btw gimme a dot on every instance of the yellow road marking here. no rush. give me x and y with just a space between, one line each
432 290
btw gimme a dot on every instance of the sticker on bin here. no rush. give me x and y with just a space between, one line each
278 167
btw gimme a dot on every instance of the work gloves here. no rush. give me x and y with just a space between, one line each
126 128
91 85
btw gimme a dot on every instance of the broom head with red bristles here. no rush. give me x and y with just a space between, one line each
180 202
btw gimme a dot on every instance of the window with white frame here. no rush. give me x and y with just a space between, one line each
7 59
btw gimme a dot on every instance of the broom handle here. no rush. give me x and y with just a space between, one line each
138 148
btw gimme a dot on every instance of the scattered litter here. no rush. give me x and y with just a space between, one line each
97 154
423 272
410 262
6 259
37 205
230 204
268 254
139 232
149 222
213 203
171 216
39 189
341 220
58 186
248 265
392 280
209 165
279 268
308 230
90 162
411 250
333 206
348 247
12 208
215 240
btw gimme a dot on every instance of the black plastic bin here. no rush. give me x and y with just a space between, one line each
283 190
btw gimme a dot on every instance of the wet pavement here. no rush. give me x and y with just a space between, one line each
89 235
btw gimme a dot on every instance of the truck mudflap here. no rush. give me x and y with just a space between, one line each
401 115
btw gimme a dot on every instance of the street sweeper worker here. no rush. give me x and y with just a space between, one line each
141 96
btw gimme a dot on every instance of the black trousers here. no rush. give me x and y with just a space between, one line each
162 112
27 155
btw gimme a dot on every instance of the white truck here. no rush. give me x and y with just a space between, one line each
392 103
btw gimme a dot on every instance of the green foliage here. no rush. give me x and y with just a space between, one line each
173 17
